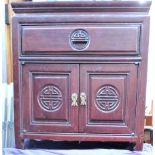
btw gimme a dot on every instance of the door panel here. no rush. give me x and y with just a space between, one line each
46 97
111 98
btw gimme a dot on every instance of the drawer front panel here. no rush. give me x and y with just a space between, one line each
109 38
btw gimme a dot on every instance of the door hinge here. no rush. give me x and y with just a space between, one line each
23 62
137 63
23 131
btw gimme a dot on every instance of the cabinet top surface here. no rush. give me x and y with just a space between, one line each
82 6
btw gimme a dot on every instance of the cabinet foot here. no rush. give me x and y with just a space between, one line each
20 144
139 146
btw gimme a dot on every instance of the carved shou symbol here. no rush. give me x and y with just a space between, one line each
79 40
50 98
107 98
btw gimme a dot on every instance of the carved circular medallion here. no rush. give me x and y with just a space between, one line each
50 98
107 98
79 40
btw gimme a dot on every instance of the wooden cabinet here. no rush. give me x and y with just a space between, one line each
80 72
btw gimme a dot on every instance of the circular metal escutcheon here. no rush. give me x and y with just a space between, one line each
79 40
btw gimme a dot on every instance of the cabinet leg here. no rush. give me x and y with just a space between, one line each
139 145
20 143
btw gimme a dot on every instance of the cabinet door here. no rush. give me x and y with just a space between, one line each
46 91
110 98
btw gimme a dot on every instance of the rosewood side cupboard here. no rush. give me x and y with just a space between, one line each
80 70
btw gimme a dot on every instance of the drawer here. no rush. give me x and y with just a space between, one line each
81 39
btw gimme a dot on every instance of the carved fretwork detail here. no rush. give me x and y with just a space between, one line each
107 98
50 98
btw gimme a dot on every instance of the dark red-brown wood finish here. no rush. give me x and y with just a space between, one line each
80 70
